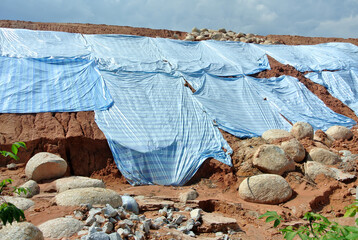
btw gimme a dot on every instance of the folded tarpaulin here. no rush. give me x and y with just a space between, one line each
341 84
32 85
41 44
157 131
214 57
135 53
298 104
236 105
247 106
326 56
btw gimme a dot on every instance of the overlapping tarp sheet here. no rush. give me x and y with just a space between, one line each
247 106
41 44
341 84
135 53
157 131
43 71
214 57
236 105
326 56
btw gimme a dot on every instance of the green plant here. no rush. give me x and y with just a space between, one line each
8 211
351 210
318 226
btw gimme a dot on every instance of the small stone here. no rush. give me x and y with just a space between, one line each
219 234
109 211
302 130
178 219
188 209
82 232
107 227
196 214
191 234
146 225
90 220
322 137
222 30
175 36
100 219
134 217
196 30
276 135
200 38
11 166
98 236
339 133
139 235
123 232
130 204
32 189
216 36
189 38
163 212
192 194
79 215
114 236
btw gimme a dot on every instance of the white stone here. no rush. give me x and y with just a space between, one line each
114 236
294 149
31 187
339 132
45 166
276 134
97 236
324 156
109 211
19 202
313 169
302 130
108 227
60 227
272 159
21 231
196 213
93 196
73 182
265 188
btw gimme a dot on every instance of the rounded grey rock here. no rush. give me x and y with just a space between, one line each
276 134
339 132
313 169
324 156
294 149
265 188
272 159
45 165
19 202
21 231
32 189
60 227
93 196
73 182
302 130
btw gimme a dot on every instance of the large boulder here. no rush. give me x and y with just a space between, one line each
94 196
272 159
21 231
19 202
265 188
60 227
339 132
45 166
276 135
32 189
324 156
294 149
73 182
302 130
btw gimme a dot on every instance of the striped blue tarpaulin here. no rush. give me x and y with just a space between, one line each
32 85
343 85
157 131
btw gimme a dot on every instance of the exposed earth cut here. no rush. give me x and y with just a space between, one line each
78 140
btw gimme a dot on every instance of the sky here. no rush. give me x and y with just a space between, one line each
314 18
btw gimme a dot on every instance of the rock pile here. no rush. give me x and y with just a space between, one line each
223 35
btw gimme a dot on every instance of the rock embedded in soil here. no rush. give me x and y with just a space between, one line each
272 159
19 202
313 169
21 231
60 227
294 149
322 137
324 156
265 188
302 130
276 135
191 194
74 182
45 165
93 196
214 222
339 133
32 189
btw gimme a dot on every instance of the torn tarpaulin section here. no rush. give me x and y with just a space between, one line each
156 129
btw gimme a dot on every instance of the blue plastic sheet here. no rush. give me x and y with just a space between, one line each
294 101
236 105
41 44
157 131
32 85
247 106
343 85
326 56
135 53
